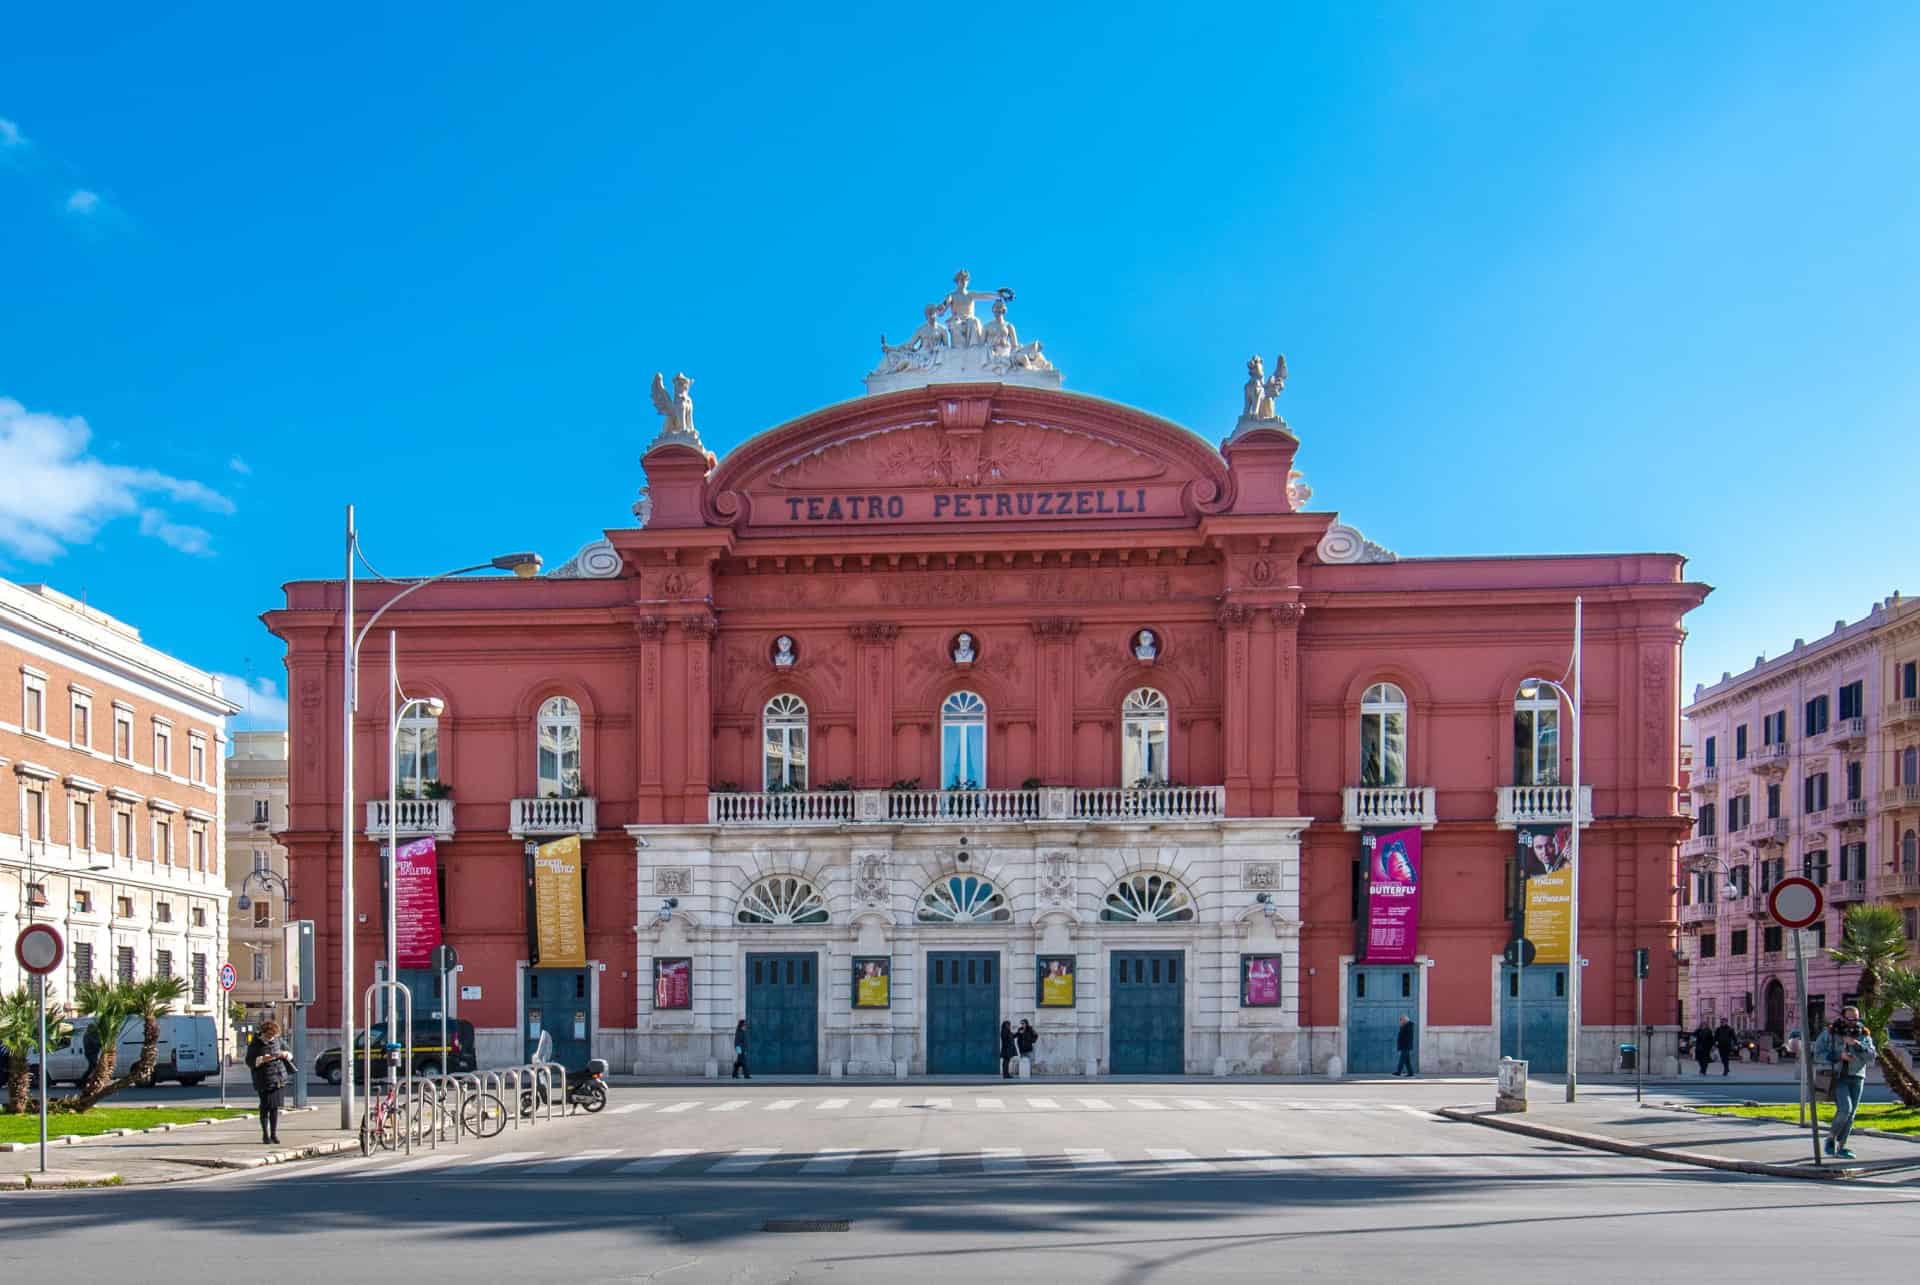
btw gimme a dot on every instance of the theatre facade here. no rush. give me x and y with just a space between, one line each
974 699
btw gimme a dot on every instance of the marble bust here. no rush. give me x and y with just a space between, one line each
963 650
1145 646
783 653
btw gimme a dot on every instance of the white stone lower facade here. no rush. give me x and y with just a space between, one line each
1210 892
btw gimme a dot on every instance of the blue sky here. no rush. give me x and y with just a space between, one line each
1548 278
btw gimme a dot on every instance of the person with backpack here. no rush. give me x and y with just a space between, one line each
1845 1049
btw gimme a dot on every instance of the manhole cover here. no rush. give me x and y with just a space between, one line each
806 1224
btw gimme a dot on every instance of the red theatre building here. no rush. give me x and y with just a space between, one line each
974 699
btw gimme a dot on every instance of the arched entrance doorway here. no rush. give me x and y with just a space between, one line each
1776 1007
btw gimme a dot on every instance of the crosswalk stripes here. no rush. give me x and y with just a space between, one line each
989 1104
567 1164
482 1161
734 1105
628 1108
1147 1104
1177 1162
919 1160
678 1106
745 1160
1003 1159
1089 1158
784 1104
939 1104
830 1160
1095 1104
830 1104
1250 1104
1268 1162
1043 1104
657 1161
1198 1104
884 1104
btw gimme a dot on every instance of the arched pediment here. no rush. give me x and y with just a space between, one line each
969 456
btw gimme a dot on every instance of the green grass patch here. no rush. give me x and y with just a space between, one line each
1892 1118
26 1128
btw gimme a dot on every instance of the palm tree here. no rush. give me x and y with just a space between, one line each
109 1004
1873 937
20 1034
154 999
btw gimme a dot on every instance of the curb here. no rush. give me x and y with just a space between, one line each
1600 1142
310 1152
56 1181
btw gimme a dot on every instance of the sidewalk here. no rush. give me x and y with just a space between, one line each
176 1154
1671 1132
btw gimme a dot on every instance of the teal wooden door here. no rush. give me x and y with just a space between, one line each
557 1003
1533 1016
1378 996
1149 1014
963 1013
783 1015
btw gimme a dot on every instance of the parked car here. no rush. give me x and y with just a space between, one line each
429 1057
187 1051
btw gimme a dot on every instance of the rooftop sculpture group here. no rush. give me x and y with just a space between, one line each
952 343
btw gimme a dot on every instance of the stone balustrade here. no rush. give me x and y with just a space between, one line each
1387 805
414 818
530 817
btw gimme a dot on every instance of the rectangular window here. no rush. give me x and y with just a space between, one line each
1853 861
82 902
1815 793
123 833
259 861
1772 871
82 720
163 963
1853 703
199 916
199 978
1712 747
123 734
1907 681
163 912
1738 944
123 963
1709 945
1853 781
1814 866
33 704
1817 711
163 841
34 823
197 842
1707 818
196 760
1740 742
1910 918
1738 881
123 907
82 823
262 914
1773 801
82 961
260 961
162 748
1770 939
260 812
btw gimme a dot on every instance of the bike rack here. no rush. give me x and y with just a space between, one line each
395 990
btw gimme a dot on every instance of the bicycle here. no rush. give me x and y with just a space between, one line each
388 1118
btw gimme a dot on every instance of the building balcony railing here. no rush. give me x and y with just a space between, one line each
1699 912
1816 820
1903 883
1769 830
414 818
1847 734
1401 805
552 816
1898 798
1707 774
1848 812
1903 711
1701 845
1541 805
1770 758
1847 890
933 807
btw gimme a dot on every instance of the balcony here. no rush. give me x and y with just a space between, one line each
1817 820
531 817
1770 758
1902 883
1900 798
1541 805
1848 812
1707 775
1847 890
1699 912
1701 845
1382 805
414 818
1900 712
942 807
1847 734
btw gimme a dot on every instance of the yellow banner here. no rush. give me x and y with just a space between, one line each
1549 915
559 926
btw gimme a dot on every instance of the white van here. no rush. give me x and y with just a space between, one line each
188 1051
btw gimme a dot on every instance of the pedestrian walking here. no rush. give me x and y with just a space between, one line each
1403 1044
1025 1038
1724 1041
1703 1045
269 1061
1846 1049
1009 1050
740 1050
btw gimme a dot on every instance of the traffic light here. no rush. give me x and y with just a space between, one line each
1642 961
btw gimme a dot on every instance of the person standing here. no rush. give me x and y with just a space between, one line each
269 1061
1703 1045
1725 1042
1403 1044
1846 1048
1009 1050
740 1050
1025 1038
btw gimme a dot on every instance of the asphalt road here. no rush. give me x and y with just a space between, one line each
1109 1182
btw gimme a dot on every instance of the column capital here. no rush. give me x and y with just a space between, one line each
651 628
703 625
1289 615
1234 615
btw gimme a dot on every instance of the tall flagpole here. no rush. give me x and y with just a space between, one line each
1573 928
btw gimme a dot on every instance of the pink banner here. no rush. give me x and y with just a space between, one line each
416 895
1393 896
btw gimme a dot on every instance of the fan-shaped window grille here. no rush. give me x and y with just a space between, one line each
785 724
1147 899
963 899
782 900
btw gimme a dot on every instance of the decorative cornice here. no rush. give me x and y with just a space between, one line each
874 631
1055 627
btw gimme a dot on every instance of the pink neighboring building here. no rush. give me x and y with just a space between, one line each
1807 764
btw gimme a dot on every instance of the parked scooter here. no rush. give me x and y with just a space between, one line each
586 1090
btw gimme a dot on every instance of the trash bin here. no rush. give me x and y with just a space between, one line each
1629 1054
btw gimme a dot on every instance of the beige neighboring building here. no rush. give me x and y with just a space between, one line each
111 815
257 869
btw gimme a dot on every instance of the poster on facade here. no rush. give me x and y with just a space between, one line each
1260 981
560 928
1393 895
416 904
1056 980
673 983
872 981
1546 865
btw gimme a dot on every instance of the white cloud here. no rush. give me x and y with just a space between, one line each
57 493
83 202
263 707
239 466
10 135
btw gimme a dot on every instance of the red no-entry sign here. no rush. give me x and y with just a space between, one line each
39 948
1796 902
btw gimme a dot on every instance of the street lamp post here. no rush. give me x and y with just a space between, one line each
523 565
1572 699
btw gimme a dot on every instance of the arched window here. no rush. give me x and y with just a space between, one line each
1536 736
1383 735
1910 852
419 754
1147 899
963 742
1143 745
962 899
785 723
558 735
781 900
